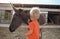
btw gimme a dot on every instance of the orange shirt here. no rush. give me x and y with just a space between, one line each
34 26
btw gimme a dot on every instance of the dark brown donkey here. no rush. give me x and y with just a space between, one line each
20 17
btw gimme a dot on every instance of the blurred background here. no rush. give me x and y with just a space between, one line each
49 8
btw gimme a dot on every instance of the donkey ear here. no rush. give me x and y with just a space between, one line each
13 7
42 19
20 10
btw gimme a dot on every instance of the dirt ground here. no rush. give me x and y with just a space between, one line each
19 33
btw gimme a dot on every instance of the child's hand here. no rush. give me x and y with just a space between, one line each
26 36
29 32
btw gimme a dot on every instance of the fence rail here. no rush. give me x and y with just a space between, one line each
42 26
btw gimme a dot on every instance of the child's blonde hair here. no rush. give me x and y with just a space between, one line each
35 12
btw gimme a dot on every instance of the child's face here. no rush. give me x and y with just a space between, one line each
35 14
